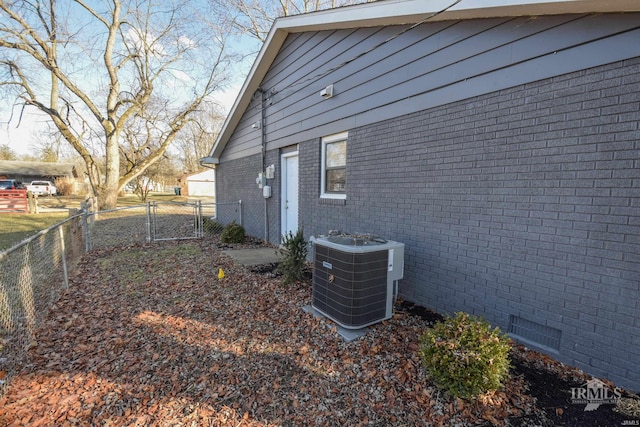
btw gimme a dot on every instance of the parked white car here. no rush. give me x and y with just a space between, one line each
42 188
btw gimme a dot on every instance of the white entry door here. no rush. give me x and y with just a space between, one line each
289 202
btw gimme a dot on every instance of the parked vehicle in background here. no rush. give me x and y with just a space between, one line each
11 184
42 188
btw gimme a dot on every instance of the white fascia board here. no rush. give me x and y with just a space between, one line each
396 12
469 9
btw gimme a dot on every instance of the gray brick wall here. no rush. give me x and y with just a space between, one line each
316 216
236 180
524 202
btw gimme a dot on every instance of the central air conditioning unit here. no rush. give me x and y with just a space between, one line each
354 277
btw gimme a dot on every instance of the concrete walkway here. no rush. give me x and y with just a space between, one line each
254 256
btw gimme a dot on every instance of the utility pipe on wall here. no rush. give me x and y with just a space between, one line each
263 140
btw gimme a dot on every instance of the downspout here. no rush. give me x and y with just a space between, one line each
263 138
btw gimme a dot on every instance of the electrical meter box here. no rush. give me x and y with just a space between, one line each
270 172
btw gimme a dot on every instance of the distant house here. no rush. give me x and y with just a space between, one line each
201 184
36 171
499 140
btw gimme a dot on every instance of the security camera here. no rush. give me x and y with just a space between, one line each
327 92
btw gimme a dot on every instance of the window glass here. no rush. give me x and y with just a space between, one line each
337 154
334 166
336 180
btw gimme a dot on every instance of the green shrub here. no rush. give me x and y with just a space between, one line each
464 356
294 249
211 226
232 233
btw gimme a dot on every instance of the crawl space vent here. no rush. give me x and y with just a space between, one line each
535 333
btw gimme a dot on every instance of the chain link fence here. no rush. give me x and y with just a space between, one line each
226 213
116 227
173 220
32 276
35 272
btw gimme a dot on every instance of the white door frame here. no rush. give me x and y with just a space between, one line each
283 190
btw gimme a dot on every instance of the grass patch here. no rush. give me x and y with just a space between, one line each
125 200
21 226
60 202
17 227
132 199
165 262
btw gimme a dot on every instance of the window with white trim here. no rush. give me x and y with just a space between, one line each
334 166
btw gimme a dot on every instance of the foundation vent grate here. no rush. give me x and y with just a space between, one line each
534 332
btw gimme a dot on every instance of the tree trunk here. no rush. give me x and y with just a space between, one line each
108 194
107 199
141 50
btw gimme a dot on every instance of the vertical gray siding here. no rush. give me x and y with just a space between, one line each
524 202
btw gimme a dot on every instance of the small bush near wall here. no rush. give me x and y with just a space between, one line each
465 357
292 267
233 233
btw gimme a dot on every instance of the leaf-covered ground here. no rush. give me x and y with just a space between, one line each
148 335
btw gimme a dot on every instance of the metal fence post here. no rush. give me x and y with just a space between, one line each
149 222
32 277
85 229
65 271
200 220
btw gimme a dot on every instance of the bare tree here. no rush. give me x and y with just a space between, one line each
138 139
157 175
254 17
197 137
48 146
111 66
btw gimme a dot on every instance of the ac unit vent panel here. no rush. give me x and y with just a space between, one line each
352 285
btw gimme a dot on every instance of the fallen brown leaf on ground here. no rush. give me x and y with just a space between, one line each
148 335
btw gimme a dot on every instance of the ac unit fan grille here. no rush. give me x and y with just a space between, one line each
350 288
